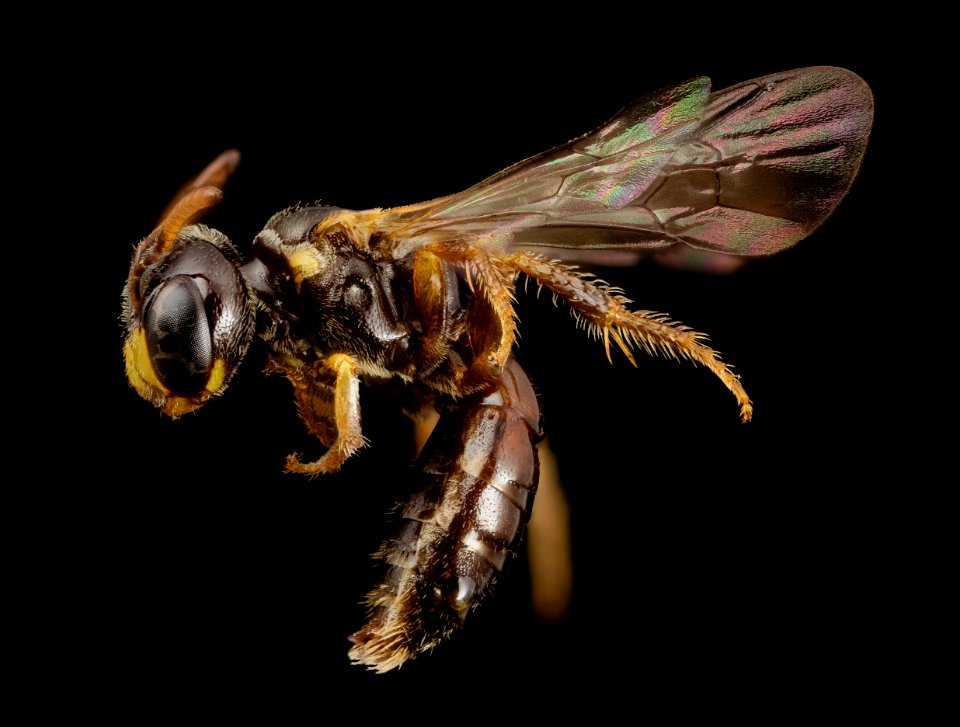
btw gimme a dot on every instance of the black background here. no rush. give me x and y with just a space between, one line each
716 563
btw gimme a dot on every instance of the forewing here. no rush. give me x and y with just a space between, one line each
773 158
749 170
600 172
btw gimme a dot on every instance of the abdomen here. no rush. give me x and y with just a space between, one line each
460 530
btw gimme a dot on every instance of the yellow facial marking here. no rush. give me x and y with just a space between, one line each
217 376
140 371
143 379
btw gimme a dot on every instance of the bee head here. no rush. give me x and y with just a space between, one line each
188 313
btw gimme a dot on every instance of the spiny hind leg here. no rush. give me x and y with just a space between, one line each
607 316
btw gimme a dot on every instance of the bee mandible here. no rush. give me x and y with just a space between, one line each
421 298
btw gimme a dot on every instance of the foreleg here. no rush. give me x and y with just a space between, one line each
327 393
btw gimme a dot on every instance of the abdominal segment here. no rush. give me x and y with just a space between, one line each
480 469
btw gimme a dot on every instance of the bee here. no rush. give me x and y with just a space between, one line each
421 298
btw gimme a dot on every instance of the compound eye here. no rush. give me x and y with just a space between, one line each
179 341
197 318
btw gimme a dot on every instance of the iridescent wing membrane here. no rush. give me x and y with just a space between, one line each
749 170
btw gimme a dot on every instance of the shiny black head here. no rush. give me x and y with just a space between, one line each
188 313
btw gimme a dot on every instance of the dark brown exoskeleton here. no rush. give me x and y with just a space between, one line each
423 297
389 319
